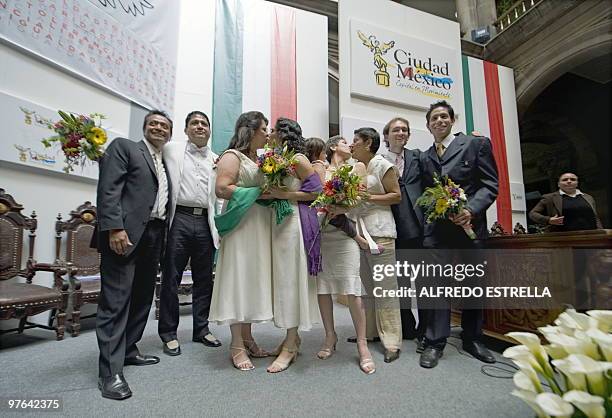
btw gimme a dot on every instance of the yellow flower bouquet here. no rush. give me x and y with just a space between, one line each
443 200
81 138
276 164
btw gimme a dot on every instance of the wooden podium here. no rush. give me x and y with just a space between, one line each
557 247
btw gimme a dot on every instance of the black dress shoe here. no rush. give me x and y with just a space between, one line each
429 357
391 355
172 348
208 340
420 343
114 387
141 360
478 350
370 340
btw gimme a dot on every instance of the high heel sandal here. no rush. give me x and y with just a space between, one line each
254 350
366 363
326 352
244 365
282 366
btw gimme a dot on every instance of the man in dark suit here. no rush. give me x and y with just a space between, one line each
469 162
408 218
133 192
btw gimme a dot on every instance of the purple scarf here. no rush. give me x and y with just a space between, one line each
310 225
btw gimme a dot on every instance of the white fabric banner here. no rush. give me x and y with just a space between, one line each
126 46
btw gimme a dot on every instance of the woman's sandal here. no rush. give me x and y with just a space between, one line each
254 350
326 352
367 365
284 366
244 365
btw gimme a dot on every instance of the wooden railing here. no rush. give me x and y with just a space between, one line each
515 11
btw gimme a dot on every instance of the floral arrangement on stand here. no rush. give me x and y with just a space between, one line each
576 366
343 189
81 138
276 164
444 200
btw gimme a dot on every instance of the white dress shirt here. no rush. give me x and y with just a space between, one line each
578 193
159 208
197 169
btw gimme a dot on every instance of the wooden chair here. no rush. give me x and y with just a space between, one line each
86 285
21 300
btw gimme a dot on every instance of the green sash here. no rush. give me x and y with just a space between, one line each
242 200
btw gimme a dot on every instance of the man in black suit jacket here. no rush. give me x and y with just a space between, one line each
133 192
408 218
469 162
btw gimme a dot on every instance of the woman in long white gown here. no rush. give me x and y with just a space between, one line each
295 299
242 293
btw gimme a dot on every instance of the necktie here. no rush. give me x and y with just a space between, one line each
399 163
162 194
440 149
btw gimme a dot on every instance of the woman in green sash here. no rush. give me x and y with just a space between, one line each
243 286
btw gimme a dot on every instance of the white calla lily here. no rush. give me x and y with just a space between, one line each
525 380
583 321
573 379
575 345
604 319
591 406
548 330
603 340
556 351
530 399
593 370
532 342
554 405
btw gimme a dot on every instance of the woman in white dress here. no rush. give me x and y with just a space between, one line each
295 299
242 293
340 273
382 313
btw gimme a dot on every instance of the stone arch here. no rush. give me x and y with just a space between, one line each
558 60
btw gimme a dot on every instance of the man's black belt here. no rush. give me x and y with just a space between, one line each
188 210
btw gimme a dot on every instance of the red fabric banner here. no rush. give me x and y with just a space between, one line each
498 141
284 78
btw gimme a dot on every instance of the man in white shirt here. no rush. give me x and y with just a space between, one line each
192 236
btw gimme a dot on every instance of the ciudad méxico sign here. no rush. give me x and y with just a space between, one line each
391 67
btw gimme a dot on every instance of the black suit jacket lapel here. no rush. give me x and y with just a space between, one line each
453 149
147 156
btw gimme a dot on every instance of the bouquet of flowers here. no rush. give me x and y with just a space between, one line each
81 138
343 189
276 164
576 366
443 200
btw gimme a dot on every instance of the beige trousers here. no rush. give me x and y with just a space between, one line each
383 316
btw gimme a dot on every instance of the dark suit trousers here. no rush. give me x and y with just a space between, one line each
189 238
410 329
439 319
128 284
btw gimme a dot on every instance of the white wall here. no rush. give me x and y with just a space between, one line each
401 19
50 193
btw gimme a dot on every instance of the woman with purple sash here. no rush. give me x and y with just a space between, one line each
296 253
